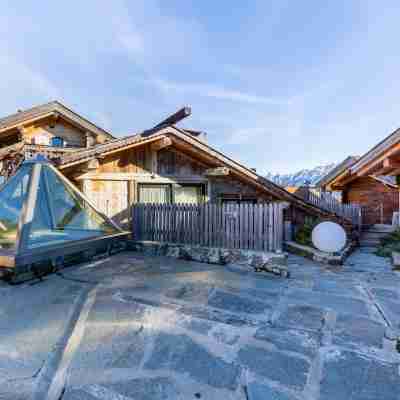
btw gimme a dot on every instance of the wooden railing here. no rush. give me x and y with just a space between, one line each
235 226
326 201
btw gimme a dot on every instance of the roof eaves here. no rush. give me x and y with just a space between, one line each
376 150
336 171
44 110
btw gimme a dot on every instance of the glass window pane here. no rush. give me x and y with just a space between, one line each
187 194
158 194
57 142
62 215
12 198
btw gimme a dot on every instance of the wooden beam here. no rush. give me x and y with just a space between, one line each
387 167
161 144
218 171
92 165
176 117
371 167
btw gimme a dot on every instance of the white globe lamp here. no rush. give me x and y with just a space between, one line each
328 237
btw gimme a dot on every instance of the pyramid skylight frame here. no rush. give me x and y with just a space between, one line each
45 218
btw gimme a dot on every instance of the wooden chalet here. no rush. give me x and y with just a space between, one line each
165 164
370 181
51 129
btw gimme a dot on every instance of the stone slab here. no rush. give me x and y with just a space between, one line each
285 369
158 388
258 391
293 340
234 303
349 375
181 354
301 317
339 304
358 330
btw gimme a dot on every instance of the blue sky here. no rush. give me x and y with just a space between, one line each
279 85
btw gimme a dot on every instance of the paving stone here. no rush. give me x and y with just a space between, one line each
219 316
268 296
225 335
180 353
197 325
294 340
391 310
349 375
78 394
147 389
190 292
110 346
234 303
339 304
386 293
337 287
118 308
358 330
276 366
258 391
301 317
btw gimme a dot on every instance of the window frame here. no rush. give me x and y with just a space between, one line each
171 186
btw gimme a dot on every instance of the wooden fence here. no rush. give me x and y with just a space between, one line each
328 202
241 226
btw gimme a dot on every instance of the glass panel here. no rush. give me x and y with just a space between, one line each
12 198
62 215
187 194
57 142
159 194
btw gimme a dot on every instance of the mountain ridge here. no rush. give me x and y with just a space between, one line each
302 177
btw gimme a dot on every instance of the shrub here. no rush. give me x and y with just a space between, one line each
389 244
303 234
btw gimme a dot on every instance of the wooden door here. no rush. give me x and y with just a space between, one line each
111 198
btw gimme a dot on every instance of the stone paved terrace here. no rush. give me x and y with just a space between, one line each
137 327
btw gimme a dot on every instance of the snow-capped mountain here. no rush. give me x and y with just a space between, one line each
302 177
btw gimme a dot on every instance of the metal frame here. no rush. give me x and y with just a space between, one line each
17 259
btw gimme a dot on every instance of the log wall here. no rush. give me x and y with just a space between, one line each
378 200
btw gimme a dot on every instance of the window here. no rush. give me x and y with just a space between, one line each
243 200
188 194
159 194
57 142
167 193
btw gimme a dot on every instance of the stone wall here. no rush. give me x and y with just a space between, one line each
240 260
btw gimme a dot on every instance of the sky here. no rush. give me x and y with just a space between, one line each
278 85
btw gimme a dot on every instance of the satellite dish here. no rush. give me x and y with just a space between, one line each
329 237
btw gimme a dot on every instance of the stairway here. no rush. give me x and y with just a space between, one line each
371 235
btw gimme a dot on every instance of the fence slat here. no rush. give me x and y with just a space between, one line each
244 226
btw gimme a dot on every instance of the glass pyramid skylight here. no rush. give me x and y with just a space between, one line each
43 217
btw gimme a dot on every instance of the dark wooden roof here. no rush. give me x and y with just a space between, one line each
340 168
47 109
199 146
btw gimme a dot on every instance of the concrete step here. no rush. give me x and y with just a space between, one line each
373 235
369 243
380 228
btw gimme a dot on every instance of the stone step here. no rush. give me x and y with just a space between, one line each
369 243
380 228
373 235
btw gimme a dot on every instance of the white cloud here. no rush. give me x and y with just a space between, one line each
20 78
219 93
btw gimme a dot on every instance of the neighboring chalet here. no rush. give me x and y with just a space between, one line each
51 129
370 181
165 164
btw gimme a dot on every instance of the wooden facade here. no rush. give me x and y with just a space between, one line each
164 164
370 180
378 200
117 181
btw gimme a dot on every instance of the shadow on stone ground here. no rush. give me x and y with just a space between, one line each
136 327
